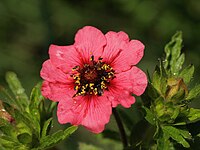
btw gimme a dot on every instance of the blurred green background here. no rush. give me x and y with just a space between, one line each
28 27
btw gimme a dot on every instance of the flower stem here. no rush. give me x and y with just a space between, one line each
121 127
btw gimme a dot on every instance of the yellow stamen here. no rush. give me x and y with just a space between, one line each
92 78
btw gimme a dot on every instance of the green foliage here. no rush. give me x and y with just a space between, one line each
46 127
194 114
163 143
5 97
194 92
51 140
150 116
187 73
174 59
17 89
25 122
178 135
169 97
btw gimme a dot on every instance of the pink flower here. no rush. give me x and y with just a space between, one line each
93 75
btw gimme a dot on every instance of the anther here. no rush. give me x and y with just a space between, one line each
75 68
92 78
92 58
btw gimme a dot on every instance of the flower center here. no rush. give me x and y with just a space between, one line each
92 78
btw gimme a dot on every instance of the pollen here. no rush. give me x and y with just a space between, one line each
92 78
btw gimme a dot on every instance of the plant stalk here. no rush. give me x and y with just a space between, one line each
121 127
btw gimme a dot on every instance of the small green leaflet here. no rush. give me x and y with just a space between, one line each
6 97
194 114
178 135
17 90
174 59
163 143
150 116
51 140
46 127
187 73
194 92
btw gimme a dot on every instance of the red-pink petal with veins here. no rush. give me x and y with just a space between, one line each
89 41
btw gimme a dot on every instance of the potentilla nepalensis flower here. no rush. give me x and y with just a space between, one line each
93 75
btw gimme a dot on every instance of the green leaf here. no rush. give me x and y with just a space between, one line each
175 113
163 79
36 95
24 138
198 135
150 116
9 143
163 143
180 123
156 78
25 123
46 127
173 61
193 93
187 74
17 89
178 135
179 63
7 128
150 94
51 140
2 147
159 80
194 114
185 134
51 107
3 122
35 100
6 97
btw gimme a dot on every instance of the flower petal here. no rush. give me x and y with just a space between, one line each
90 111
52 74
134 80
89 41
57 91
121 96
137 48
129 56
64 57
98 114
115 43
71 110
138 80
125 84
93 111
121 53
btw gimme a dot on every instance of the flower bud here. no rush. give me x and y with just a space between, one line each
176 90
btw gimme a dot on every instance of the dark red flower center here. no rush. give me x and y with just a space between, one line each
92 78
